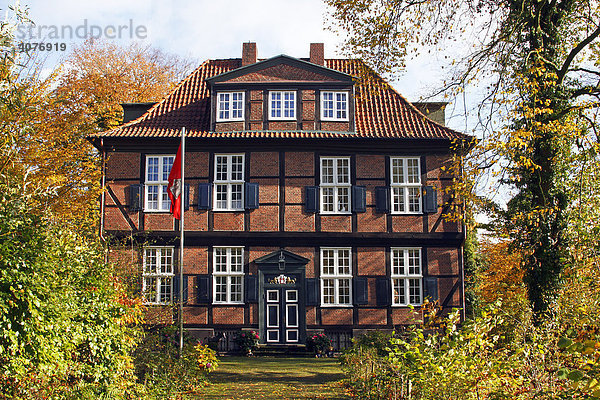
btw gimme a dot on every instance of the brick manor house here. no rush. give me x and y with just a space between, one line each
314 200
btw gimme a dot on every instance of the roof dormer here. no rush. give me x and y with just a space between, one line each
282 93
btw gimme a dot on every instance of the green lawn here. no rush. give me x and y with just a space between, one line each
275 378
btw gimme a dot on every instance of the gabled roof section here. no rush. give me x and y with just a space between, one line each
380 111
281 68
281 255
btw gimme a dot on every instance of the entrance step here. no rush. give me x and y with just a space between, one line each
270 350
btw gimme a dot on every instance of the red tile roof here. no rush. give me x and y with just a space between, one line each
380 111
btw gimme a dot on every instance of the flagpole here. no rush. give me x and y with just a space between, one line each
182 212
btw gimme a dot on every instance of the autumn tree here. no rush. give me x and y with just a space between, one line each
539 58
81 96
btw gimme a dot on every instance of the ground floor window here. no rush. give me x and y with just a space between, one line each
228 275
336 277
157 275
406 276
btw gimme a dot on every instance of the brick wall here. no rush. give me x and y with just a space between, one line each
336 316
228 315
372 316
371 260
264 164
123 166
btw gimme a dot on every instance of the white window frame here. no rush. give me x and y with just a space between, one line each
228 274
229 182
336 106
163 203
401 274
283 108
401 190
337 277
230 103
158 274
336 186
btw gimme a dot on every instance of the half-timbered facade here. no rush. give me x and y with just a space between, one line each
315 196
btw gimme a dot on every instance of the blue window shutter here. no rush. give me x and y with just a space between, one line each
429 199
203 289
251 195
361 291
383 291
136 197
251 289
359 199
204 196
382 199
176 288
185 288
312 292
430 288
312 199
186 196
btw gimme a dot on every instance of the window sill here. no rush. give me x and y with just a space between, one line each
337 306
294 119
335 213
157 211
334 120
230 120
407 213
229 210
406 305
228 304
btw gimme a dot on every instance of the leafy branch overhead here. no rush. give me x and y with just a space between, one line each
538 61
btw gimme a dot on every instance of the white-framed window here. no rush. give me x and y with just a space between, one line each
336 277
334 106
405 185
230 106
335 185
229 182
407 277
228 275
282 105
157 275
157 180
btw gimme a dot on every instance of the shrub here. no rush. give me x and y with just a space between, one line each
318 343
247 341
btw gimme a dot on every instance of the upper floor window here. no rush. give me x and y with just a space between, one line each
157 179
229 182
157 275
406 185
335 185
228 274
334 106
406 276
230 106
282 105
336 277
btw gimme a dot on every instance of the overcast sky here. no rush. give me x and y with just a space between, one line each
203 29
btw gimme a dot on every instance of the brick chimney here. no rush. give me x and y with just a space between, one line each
317 53
248 53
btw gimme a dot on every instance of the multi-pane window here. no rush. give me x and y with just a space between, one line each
229 182
282 105
228 274
335 185
336 277
157 275
157 179
406 185
406 277
334 106
230 106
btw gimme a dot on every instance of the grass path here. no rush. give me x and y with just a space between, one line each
275 378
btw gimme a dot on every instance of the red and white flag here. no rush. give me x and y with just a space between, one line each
175 187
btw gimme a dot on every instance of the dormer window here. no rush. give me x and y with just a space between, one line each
282 105
230 106
334 106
